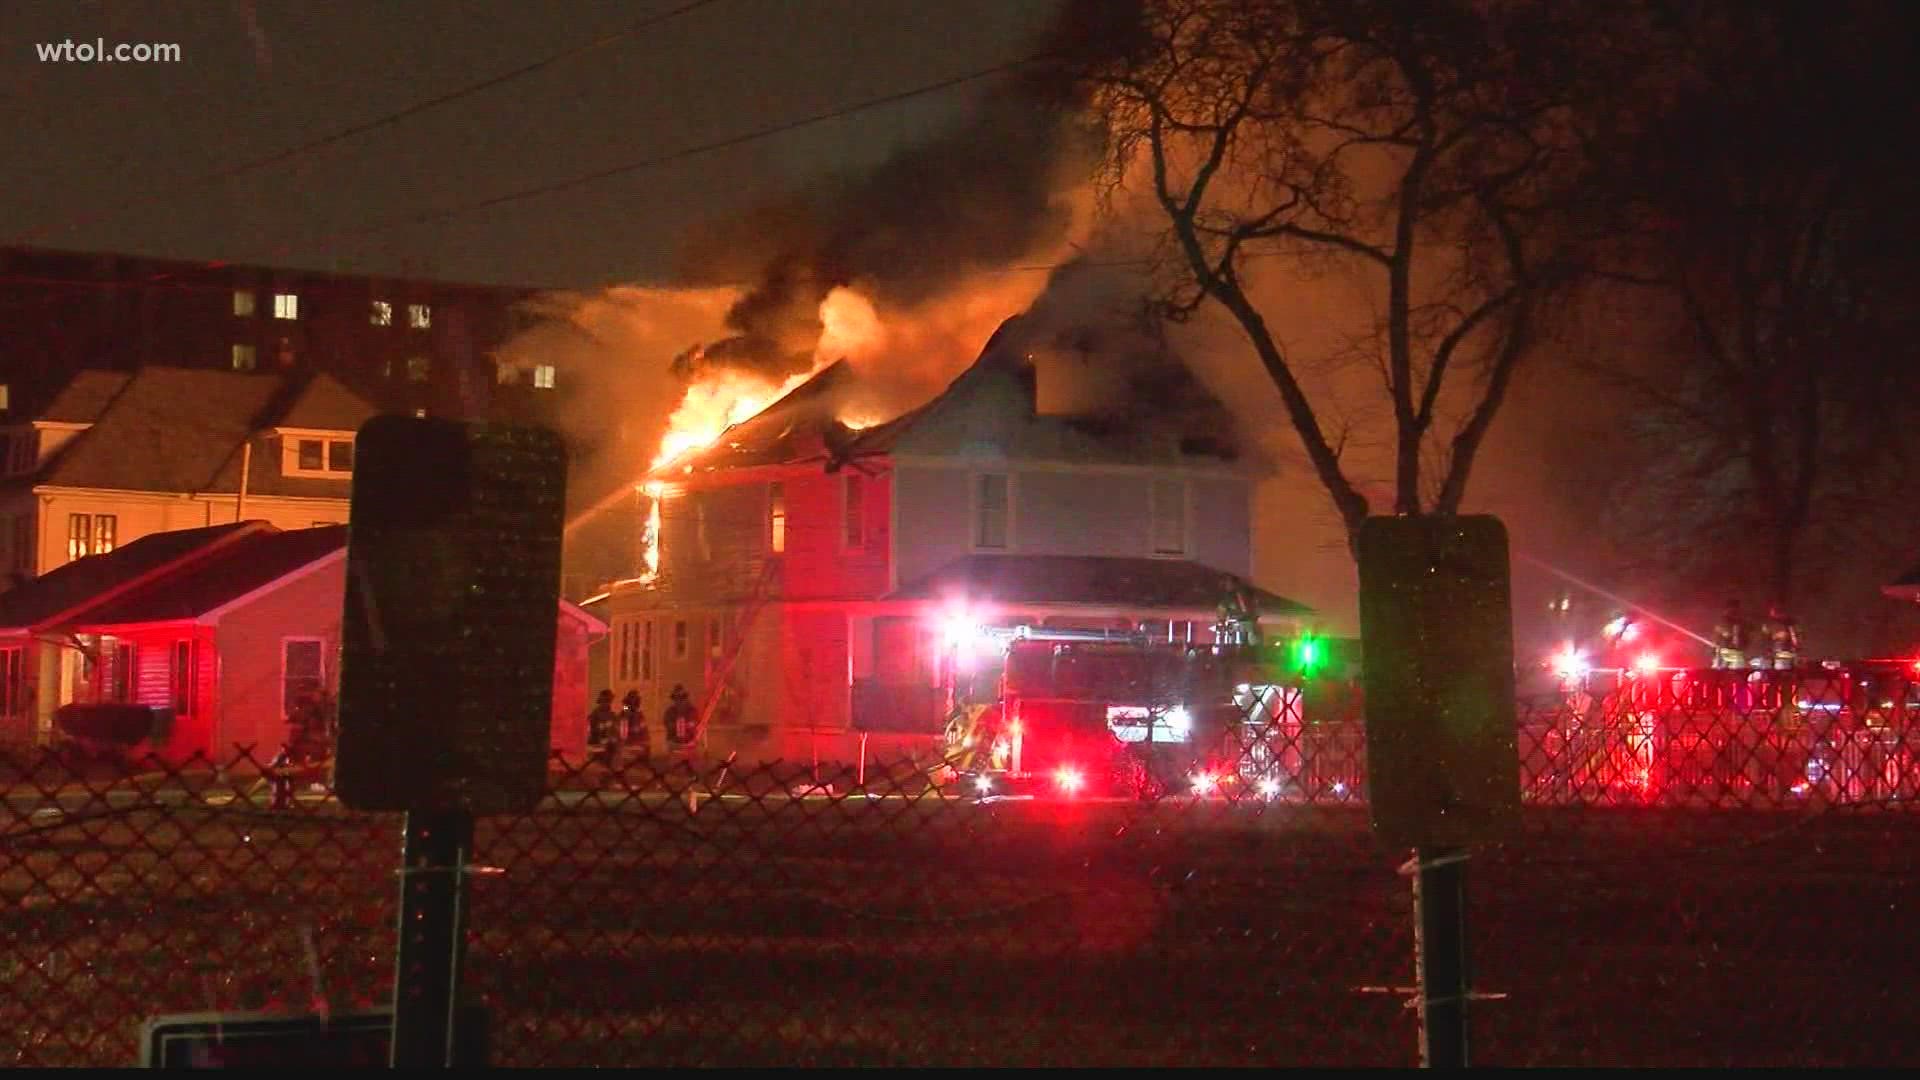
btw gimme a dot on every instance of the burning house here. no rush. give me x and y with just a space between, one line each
804 566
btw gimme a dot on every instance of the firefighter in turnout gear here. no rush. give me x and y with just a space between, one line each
681 720
1730 639
1239 621
1782 638
633 722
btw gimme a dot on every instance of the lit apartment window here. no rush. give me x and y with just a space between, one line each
245 358
242 302
855 506
419 316
680 639
382 313
1169 517
713 638
6 401
990 511
90 534
543 376
286 305
777 517
418 368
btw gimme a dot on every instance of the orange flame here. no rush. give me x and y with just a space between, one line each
713 404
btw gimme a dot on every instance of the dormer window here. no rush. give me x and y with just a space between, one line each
323 454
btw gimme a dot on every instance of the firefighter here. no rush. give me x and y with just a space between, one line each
280 776
1783 637
1730 639
601 721
633 720
681 719
1238 623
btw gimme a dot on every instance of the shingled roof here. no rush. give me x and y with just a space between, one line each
184 429
84 398
234 571
68 589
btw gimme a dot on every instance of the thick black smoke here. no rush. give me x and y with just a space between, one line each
983 195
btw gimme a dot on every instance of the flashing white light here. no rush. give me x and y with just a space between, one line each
1069 779
1269 787
983 784
1179 722
1648 664
1204 783
1571 663
1339 787
1617 627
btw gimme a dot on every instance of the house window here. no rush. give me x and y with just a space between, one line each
6 397
543 376
245 357
855 507
13 682
680 639
1169 516
418 367
181 678
242 302
382 313
713 638
286 305
303 675
124 682
990 510
419 316
90 534
646 651
319 457
777 517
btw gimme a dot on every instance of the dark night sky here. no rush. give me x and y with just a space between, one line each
108 156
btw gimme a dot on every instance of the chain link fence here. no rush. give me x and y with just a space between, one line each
1712 869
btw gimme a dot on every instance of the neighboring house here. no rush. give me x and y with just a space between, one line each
119 456
403 343
227 626
807 568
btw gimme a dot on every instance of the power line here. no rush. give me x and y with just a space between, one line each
730 141
389 119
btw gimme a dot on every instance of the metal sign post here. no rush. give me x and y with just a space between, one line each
433 935
1443 765
446 675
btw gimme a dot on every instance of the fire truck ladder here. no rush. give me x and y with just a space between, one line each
717 684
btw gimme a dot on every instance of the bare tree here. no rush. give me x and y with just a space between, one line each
1434 148
1776 238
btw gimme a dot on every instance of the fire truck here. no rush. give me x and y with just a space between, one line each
1068 713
